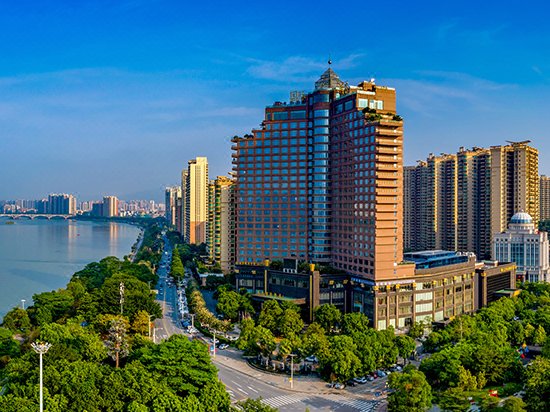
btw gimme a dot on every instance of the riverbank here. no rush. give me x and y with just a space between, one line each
41 255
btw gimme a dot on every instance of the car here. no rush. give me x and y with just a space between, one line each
381 374
360 379
370 378
351 382
312 359
339 385
223 346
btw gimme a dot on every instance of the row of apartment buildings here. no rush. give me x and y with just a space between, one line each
203 211
321 182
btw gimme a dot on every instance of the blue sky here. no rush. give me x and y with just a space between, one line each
105 97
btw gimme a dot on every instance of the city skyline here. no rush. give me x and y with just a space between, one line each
128 91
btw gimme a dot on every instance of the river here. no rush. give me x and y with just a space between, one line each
41 255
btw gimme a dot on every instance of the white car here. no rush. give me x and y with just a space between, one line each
223 346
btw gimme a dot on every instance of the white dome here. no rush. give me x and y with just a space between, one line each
521 218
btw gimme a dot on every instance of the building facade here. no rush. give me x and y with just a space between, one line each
110 206
525 245
61 204
172 194
514 183
544 193
221 230
458 201
322 181
196 201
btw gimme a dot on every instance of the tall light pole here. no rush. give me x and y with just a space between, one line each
41 348
23 304
292 370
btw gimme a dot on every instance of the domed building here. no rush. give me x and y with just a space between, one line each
525 245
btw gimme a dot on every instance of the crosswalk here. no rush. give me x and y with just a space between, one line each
284 400
359 405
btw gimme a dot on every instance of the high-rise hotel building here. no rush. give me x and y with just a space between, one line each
322 181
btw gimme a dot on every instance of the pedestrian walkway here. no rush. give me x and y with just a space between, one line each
284 400
358 405
361 405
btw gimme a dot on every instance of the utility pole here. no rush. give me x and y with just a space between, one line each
23 304
41 348
192 320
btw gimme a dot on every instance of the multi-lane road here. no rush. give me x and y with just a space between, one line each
252 384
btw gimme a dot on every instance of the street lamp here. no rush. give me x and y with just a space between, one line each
23 304
292 370
41 348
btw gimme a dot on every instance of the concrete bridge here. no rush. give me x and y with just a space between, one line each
32 216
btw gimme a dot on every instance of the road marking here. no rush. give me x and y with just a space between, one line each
252 389
283 400
246 393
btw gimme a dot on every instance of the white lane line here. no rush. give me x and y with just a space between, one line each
246 393
252 389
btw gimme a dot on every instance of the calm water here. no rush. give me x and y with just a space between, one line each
41 255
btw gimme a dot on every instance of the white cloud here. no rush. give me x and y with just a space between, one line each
298 68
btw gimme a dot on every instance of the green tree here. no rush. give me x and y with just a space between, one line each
454 400
514 404
314 341
341 360
290 323
137 296
328 316
411 392
416 330
405 345
537 386
184 366
466 381
17 320
229 303
141 323
354 322
247 329
261 340
270 315
213 397
9 347
539 336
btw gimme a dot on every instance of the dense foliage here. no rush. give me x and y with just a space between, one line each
101 358
483 351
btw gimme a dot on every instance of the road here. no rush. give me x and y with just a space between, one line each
169 324
241 386
241 381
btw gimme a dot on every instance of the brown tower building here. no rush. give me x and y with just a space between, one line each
322 181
